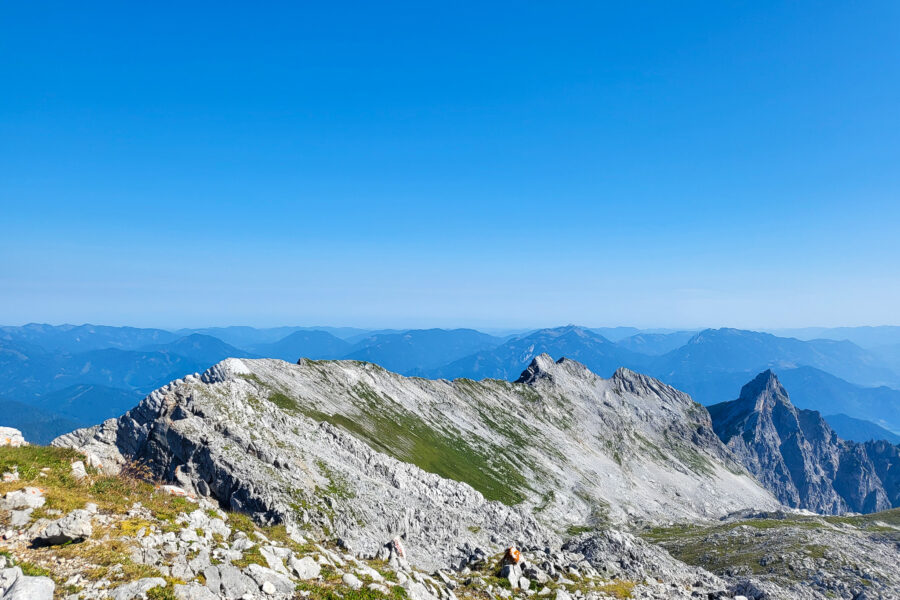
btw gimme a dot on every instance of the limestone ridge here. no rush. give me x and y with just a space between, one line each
351 449
543 367
310 475
797 456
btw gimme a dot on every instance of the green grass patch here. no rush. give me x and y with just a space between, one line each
166 592
617 589
284 402
338 486
33 570
573 530
50 469
320 592
389 428
250 556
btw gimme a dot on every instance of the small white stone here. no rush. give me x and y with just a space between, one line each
78 470
352 581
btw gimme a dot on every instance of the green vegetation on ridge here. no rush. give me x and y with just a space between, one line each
408 438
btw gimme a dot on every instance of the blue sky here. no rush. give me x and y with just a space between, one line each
397 164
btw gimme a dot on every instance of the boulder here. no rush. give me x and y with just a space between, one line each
417 591
352 581
10 436
304 568
78 470
174 490
512 573
272 558
94 461
234 583
74 527
23 587
137 589
270 578
20 518
30 497
193 591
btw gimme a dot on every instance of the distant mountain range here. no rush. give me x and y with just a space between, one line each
714 352
418 352
310 344
655 344
509 359
88 373
858 430
865 337
69 339
41 425
817 390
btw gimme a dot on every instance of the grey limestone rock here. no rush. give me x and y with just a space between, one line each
193 591
137 590
351 581
261 575
16 586
234 584
304 568
29 497
74 527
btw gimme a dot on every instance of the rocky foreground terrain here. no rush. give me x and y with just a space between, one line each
71 531
342 481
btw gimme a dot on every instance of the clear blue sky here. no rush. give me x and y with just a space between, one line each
416 164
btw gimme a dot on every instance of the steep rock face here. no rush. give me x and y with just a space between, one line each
885 457
796 455
368 454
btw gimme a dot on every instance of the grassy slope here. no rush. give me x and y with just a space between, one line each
106 554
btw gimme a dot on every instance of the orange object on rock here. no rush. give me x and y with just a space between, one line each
512 556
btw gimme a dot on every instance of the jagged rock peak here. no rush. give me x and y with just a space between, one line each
797 456
543 367
632 382
224 370
764 390
633 378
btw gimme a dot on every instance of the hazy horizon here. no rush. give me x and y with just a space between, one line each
486 327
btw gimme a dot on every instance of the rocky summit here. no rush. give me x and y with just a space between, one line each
797 456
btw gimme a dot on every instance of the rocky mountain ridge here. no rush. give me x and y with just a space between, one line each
797 455
458 460
223 442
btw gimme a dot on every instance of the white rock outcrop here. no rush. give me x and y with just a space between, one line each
10 436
